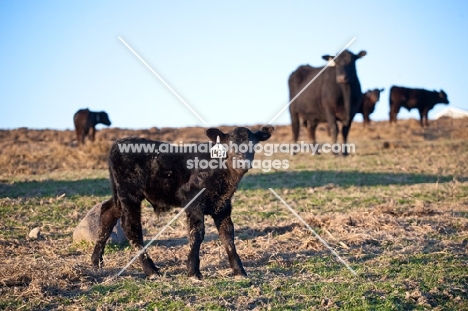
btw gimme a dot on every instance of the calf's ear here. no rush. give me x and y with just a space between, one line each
381 90
327 57
361 54
213 133
265 133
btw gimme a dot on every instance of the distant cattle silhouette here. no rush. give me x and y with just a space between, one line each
85 122
334 96
369 99
420 99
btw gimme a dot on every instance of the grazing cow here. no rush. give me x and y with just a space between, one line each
334 96
85 122
420 99
369 99
173 179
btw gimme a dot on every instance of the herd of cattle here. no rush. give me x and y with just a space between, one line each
335 95
319 97
164 181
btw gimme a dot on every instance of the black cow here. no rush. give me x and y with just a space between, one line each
334 96
421 99
85 122
173 179
369 99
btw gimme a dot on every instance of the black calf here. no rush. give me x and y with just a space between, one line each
166 179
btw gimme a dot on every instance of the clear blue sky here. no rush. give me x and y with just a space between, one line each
229 60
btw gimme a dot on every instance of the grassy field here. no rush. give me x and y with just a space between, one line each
396 211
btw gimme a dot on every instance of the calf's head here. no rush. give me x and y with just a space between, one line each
373 95
345 66
443 99
241 140
103 118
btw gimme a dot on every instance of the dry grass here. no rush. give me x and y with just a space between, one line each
396 211
24 151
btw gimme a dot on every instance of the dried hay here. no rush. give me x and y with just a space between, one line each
26 151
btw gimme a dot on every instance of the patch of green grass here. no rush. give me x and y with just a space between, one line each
21 215
113 248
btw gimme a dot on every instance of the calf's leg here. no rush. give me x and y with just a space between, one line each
394 109
196 227
109 216
426 123
78 136
226 233
92 133
421 117
366 118
131 225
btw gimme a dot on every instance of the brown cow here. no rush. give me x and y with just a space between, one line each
369 99
85 122
421 99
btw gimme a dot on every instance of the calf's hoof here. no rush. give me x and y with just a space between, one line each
151 272
195 275
149 268
241 277
195 279
153 276
238 271
98 263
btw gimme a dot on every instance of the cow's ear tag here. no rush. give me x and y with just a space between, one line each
218 151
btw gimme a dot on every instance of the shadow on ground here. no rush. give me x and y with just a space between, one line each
288 179
306 178
53 188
